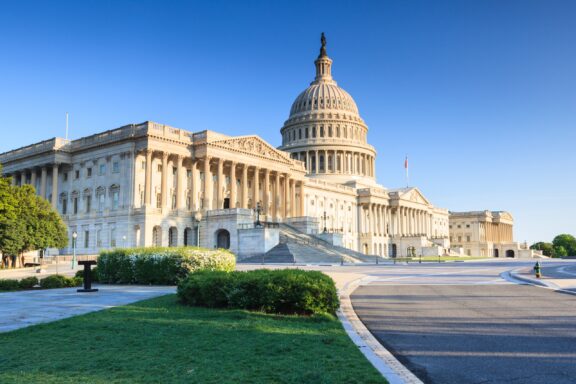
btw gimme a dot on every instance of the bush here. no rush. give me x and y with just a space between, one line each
59 281
28 282
93 273
160 265
287 291
8 285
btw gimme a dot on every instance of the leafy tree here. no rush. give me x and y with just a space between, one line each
560 251
546 248
566 241
27 222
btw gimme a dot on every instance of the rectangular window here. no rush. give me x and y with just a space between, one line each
173 201
188 203
65 176
459 239
75 203
86 239
88 172
101 202
143 165
64 206
99 238
77 174
102 169
468 239
159 200
174 170
113 237
88 204
115 199
116 167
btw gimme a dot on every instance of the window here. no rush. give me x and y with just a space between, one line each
102 169
88 204
115 198
101 202
159 168
75 205
143 165
113 237
65 175
173 202
467 225
188 203
174 170
88 172
77 174
98 238
159 200
306 132
116 167
459 226
86 239
459 239
468 239
64 206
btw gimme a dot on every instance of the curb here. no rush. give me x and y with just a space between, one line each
514 277
379 357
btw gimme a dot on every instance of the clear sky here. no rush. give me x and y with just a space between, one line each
481 95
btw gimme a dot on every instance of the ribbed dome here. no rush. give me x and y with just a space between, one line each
323 96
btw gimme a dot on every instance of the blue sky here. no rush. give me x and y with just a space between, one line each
481 95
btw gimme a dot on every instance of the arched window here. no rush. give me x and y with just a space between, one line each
87 195
157 236
101 197
172 237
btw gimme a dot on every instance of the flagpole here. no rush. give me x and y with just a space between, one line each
406 167
66 126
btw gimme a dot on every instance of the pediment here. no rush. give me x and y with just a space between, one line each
414 195
253 145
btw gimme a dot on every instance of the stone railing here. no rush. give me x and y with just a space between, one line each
55 143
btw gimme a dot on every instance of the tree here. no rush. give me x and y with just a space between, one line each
27 222
546 248
560 251
566 241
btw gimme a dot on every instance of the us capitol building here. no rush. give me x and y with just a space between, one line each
151 184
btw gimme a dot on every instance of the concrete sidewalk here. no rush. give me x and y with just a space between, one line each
24 308
527 275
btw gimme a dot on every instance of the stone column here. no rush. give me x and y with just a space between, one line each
221 186
334 161
164 184
233 186
256 187
276 204
33 178
207 184
244 186
293 198
148 179
317 162
302 199
55 185
285 203
194 203
23 178
307 162
266 191
179 189
42 182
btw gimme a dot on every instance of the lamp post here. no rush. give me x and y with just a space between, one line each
325 220
258 211
74 236
198 218
124 241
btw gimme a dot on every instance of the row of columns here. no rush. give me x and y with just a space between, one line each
279 189
23 176
383 220
498 232
306 133
335 161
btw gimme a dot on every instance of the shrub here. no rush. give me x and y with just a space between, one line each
28 282
8 285
160 265
59 281
93 273
287 291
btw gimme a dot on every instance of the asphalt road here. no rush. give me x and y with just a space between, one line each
463 324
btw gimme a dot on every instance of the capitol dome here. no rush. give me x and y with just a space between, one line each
325 130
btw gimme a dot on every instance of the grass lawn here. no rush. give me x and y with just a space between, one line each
161 341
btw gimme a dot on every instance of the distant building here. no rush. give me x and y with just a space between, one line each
485 234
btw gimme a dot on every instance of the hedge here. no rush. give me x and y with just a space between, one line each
93 274
28 282
59 281
8 285
160 265
286 291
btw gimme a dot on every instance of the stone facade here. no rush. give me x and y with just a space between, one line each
144 184
485 234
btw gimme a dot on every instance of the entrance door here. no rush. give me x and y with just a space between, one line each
393 252
223 239
227 203
509 253
496 254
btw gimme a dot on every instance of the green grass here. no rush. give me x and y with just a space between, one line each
161 341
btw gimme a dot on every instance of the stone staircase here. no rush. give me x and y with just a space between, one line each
298 247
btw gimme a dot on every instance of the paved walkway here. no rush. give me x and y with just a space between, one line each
24 308
558 277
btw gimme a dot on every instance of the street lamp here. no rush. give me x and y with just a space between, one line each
198 218
124 241
74 236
